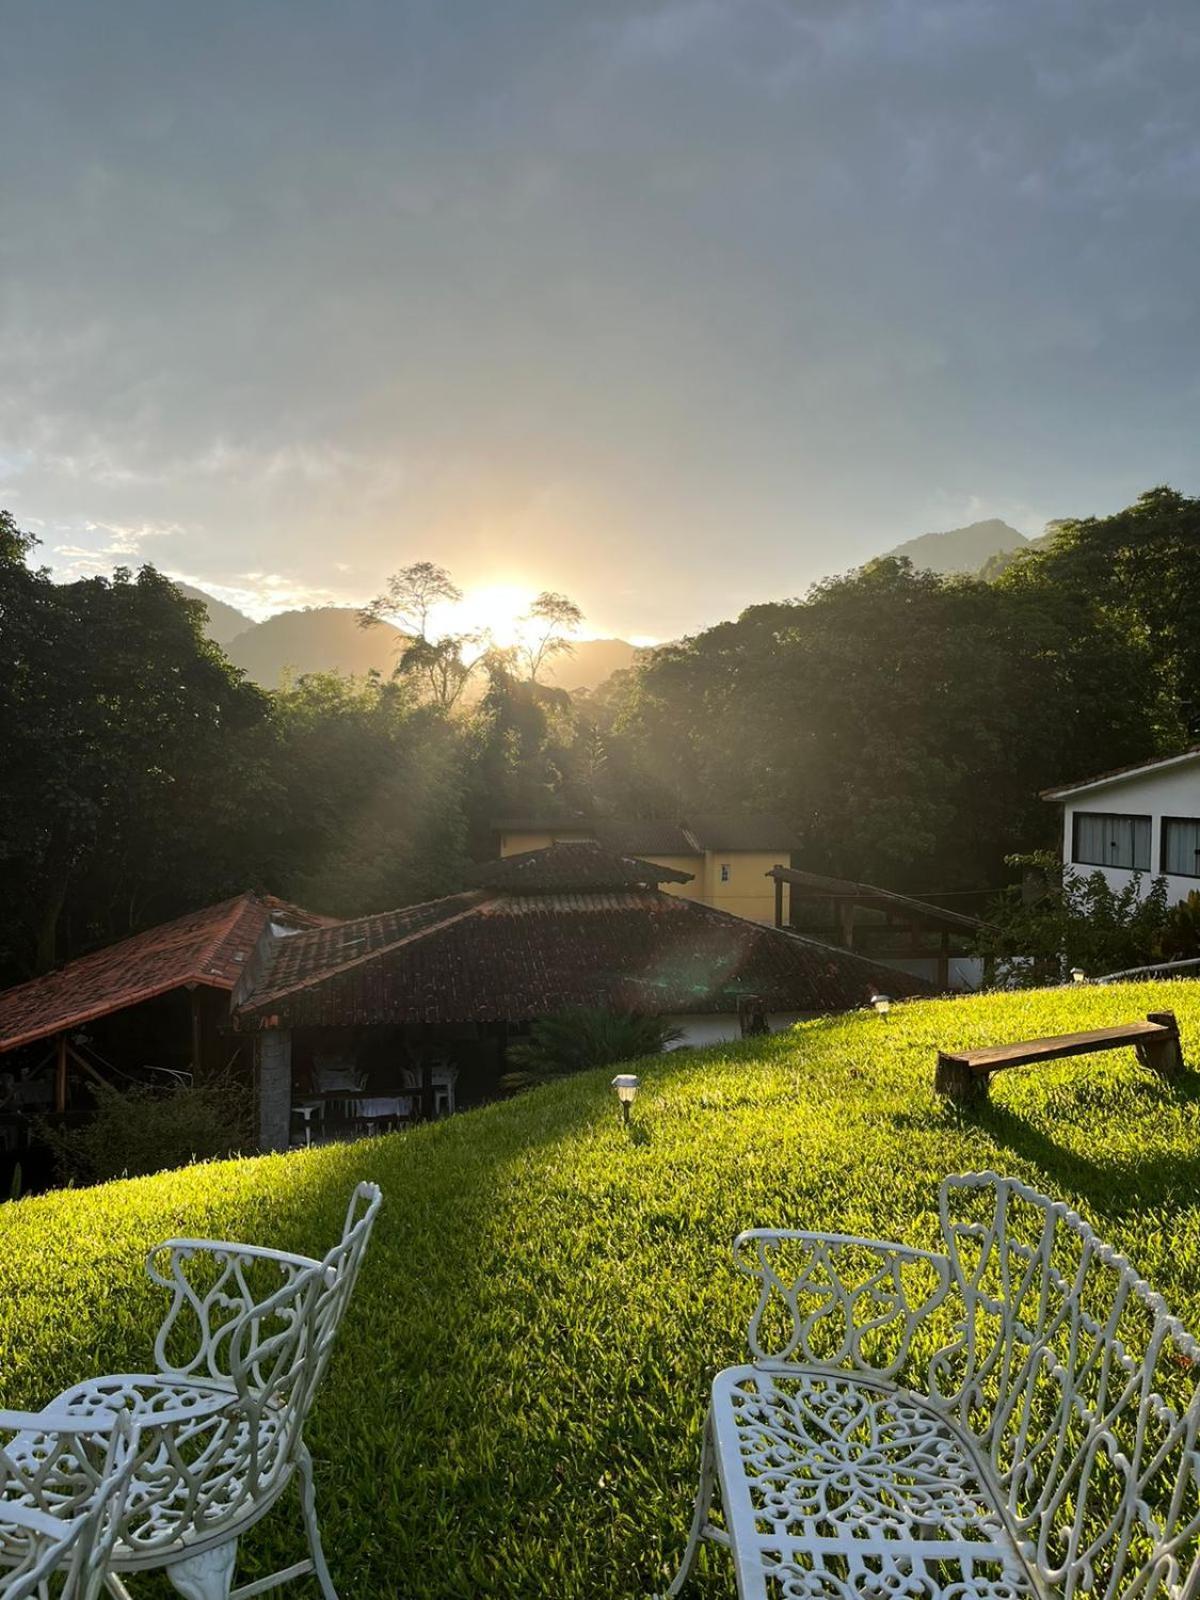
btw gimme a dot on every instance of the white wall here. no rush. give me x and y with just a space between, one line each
1171 792
705 1028
966 972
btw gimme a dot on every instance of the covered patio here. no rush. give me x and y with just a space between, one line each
404 1015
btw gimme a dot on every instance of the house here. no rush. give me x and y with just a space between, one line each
536 933
159 999
895 929
724 859
1139 819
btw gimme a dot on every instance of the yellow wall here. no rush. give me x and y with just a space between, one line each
748 892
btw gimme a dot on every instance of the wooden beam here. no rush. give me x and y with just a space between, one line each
60 1073
943 961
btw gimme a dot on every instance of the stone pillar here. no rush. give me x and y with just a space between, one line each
274 1089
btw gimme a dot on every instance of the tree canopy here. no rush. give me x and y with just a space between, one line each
899 724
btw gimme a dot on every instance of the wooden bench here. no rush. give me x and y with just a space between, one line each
964 1074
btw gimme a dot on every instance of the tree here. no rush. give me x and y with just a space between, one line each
1137 574
134 756
551 620
410 597
443 666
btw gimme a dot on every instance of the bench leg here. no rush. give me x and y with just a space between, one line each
1162 1056
704 1499
959 1083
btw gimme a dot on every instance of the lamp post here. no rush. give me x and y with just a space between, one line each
627 1086
882 1005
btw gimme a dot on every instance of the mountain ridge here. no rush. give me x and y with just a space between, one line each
961 551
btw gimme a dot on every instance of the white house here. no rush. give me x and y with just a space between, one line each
1143 819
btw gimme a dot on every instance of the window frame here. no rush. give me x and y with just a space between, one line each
1170 872
1114 816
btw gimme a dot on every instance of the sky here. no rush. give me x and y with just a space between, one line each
671 307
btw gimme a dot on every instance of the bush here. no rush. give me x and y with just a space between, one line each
145 1130
1079 920
576 1040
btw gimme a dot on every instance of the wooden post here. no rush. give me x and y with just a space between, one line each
197 1036
959 1082
943 963
60 1073
1163 1056
779 902
752 1019
846 918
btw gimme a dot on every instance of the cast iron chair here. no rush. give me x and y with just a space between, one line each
241 1351
62 1485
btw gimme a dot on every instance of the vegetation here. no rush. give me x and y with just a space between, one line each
142 1130
573 1041
1059 919
515 1406
900 724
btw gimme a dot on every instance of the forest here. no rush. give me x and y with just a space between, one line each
901 723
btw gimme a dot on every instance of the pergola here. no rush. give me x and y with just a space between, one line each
846 898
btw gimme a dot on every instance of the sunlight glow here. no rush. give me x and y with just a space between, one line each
494 608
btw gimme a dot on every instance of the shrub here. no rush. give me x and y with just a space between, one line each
143 1130
1059 919
576 1040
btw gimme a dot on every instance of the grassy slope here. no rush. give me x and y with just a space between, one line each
516 1403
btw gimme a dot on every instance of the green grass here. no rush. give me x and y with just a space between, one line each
516 1402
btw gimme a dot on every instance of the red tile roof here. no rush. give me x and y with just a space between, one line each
513 957
204 947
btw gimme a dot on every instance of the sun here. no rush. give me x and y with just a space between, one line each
495 609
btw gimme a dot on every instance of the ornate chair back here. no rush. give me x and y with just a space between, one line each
259 1324
62 1485
1082 1390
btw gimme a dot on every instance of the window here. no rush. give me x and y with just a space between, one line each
1181 846
724 872
1106 839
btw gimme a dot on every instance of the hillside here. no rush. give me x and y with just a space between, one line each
224 622
320 639
960 550
516 1403
589 664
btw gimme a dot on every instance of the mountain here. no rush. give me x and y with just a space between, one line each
961 550
224 622
329 639
589 664
319 639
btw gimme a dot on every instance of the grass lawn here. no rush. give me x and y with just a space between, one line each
515 1407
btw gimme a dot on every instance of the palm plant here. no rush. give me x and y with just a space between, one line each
574 1040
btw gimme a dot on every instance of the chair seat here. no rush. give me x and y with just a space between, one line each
836 1486
196 1489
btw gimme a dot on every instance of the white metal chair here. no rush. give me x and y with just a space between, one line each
239 1356
62 1484
1012 1416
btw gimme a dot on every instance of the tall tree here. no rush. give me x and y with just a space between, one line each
132 751
550 621
410 598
